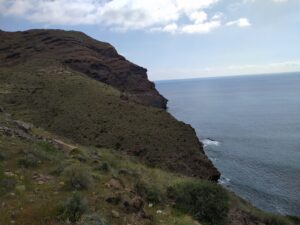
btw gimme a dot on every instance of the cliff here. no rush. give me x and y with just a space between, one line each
83 90
97 60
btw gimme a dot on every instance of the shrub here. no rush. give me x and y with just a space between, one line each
77 177
104 166
79 155
73 208
47 147
206 202
91 220
150 192
2 156
29 161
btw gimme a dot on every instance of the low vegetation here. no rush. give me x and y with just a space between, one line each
106 188
73 209
88 112
205 201
77 177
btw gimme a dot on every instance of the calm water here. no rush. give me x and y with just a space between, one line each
251 129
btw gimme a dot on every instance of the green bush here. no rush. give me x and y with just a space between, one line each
77 177
150 192
91 220
73 208
47 148
205 201
29 161
104 166
2 156
79 155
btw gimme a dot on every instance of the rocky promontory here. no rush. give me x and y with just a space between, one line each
97 60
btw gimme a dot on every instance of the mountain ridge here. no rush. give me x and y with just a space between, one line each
96 59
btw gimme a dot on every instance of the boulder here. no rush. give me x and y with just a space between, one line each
26 127
114 184
133 205
115 214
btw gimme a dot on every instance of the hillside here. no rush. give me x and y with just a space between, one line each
38 86
46 179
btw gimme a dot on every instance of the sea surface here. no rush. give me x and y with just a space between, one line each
250 126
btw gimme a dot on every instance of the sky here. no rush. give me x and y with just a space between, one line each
177 39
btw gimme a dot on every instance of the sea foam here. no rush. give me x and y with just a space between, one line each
210 142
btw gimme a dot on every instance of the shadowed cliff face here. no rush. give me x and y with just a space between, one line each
97 60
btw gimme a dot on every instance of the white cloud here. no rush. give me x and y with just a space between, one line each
217 16
198 17
201 27
242 22
174 16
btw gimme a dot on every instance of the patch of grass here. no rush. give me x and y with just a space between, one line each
91 219
204 201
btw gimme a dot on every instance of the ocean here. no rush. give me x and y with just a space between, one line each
250 127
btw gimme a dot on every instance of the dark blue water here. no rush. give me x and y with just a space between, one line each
255 124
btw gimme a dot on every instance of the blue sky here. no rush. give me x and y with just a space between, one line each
177 39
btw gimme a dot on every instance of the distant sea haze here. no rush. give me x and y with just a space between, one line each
250 127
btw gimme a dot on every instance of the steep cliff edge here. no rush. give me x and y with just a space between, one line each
46 79
98 60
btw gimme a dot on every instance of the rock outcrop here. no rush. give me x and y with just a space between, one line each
97 60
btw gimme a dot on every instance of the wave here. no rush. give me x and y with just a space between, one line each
224 181
210 142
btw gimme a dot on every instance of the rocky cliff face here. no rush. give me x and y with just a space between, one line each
81 89
97 60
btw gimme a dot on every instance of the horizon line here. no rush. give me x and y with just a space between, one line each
228 76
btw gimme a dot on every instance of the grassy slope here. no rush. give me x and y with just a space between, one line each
82 109
39 203
28 202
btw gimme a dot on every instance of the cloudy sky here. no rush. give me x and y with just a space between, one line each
177 39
